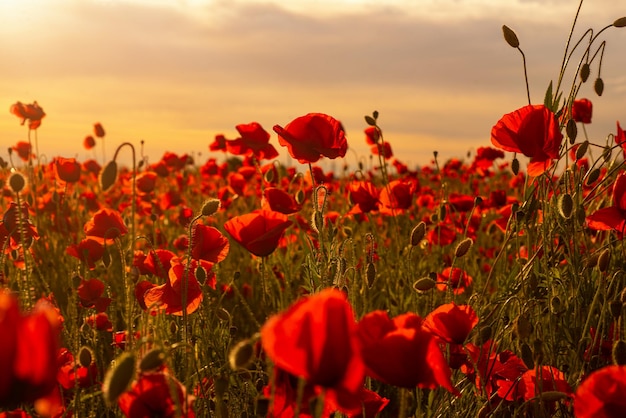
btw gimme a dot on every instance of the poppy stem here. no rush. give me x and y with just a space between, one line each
525 74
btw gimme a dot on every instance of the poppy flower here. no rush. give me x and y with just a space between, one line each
219 144
533 382
313 136
71 372
316 339
156 262
23 149
383 149
451 322
156 394
258 232
90 294
364 196
582 110
372 135
168 297
100 321
455 278
89 142
614 216
397 196
485 156
601 394
31 112
532 130
98 130
620 139
105 223
279 200
209 244
28 353
67 169
401 352
146 182
254 140
11 221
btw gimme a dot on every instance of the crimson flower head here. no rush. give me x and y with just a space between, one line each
401 352
209 244
23 149
582 110
32 113
157 394
89 142
280 201
451 322
455 278
620 138
532 130
601 394
98 130
316 339
313 136
258 232
67 169
614 216
254 140
106 224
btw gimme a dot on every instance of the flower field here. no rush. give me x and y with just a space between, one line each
488 286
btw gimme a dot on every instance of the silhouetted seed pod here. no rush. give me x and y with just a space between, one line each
108 176
599 86
210 207
620 23
585 71
523 327
118 377
582 150
571 130
370 274
222 314
593 176
603 260
553 396
241 355
299 197
86 356
152 360
515 166
615 306
418 233
527 355
619 353
565 205
463 247
370 120
424 284
17 182
510 37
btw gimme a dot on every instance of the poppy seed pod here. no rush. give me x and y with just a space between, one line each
585 71
619 353
565 205
620 23
108 175
418 233
210 207
571 130
17 182
510 37
582 150
424 284
241 355
86 356
598 86
463 247
118 377
152 360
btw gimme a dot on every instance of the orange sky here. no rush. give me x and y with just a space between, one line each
176 73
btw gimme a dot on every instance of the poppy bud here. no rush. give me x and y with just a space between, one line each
585 71
553 396
108 175
17 182
603 260
200 274
98 130
620 23
571 130
152 360
599 86
510 37
370 274
118 377
463 247
523 327
555 304
210 207
592 261
86 356
222 314
515 166
615 306
299 197
269 176
593 176
619 353
241 355
418 233
527 356
565 204
370 120
485 334
424 284
582 150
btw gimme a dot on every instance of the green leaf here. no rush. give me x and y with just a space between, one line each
547 100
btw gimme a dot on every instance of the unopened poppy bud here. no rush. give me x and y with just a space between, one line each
152 360
527 355
620 23
615 306
463 247
86 356
17 182
375 114
599 86
118 377
593 176
571 130
269 176
585 71
210 207
370 274
200 274
424 284
348 231
603 260
486 333
592 261
619 353
565 205
108 176
582 150
418 233
510 37
241 355
222 314
523 327
370 120
553 396
555 304
98 130
515 166
299 197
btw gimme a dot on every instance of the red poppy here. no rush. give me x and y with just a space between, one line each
23 149
156 262
28 353
279 200
364 196
372 135
532 130
620 139
67 169
258 232
313 136
614 216
168 296
219 144
31 112
582 110
209 244
383 149
401 352
156 394
146 182
397 196
316 339
90 294
451 322
485 156
89 142
254 140
100 321
529 386
71 372
457 279
105 223
98 130
601 394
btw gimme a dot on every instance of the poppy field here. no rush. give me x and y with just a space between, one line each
486 286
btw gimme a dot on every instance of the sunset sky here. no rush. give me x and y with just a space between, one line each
177 72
